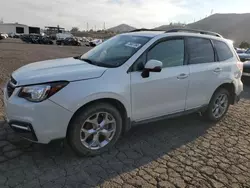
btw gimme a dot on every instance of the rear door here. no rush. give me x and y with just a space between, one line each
205 71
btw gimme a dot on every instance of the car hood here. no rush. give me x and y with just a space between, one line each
69 69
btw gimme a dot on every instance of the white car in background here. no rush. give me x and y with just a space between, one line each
95 42
63 35
4 35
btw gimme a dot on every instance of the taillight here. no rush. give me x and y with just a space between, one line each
240 66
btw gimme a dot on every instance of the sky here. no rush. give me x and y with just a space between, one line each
137 13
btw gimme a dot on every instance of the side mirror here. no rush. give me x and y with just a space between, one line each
151 66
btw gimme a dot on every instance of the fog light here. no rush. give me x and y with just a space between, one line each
21 127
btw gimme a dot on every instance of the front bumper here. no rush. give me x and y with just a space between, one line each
45 121
24 129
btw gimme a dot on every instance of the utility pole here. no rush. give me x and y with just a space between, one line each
212 11
95 27
87 26
104 27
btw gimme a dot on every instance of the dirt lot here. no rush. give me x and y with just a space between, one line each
183 152
14 54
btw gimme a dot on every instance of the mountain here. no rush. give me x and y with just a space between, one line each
121 28
232 26
168 27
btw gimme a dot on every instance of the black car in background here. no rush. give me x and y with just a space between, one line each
246 70
69 42
36 39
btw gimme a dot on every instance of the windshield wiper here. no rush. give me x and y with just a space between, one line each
89 61
99 64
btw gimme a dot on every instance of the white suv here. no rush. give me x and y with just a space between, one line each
130 79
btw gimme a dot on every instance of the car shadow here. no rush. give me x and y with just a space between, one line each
140 146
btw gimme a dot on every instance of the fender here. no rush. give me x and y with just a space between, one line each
103 95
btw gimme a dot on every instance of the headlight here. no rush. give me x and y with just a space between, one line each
38 93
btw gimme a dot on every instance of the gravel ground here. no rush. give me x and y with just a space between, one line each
182 152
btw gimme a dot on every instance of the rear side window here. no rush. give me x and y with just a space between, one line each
200 50
223 50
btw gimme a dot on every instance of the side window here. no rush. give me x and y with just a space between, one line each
223 50
170 53
200 50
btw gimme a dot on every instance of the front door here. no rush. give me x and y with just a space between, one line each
162 92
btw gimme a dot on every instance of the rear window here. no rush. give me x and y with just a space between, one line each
200 50
223 51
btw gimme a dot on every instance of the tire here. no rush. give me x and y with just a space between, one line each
79 121
209 112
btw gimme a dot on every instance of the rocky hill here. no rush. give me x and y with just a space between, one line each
232 26
121 28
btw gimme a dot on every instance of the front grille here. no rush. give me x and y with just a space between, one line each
11 86
246 69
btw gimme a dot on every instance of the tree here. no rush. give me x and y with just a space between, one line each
244 44
74 29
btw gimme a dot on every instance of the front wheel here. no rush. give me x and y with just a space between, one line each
95 129
218 105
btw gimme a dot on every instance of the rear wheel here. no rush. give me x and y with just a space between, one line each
96 129
218 105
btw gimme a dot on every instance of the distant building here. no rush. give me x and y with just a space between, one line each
49 30
17 28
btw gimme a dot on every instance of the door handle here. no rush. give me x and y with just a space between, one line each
217 70
182 76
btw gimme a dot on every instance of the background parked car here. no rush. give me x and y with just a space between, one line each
45 40
1 36
63 36
240 50
95 42
14 35
69 41
36 39
4 35
244 56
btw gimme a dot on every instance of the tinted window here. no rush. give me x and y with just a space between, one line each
223 50
200 51
170 53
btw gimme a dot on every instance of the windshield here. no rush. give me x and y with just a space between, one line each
115 51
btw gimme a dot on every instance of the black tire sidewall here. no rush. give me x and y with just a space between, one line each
76 124
209 114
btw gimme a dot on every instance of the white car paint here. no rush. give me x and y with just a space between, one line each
174 89
69 69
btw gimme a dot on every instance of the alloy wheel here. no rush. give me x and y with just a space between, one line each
98 130
220 106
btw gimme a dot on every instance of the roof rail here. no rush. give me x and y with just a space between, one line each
143 29
195 31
